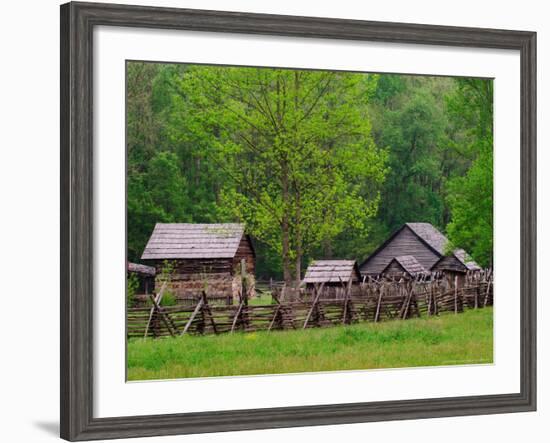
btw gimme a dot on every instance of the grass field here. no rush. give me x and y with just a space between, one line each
264 299
449 339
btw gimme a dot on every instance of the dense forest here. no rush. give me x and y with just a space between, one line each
318 164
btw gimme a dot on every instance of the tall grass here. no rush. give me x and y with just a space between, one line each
446 340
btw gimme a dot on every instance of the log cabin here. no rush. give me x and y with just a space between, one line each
334 274
420 240
202 257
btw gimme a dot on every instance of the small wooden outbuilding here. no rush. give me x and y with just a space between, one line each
458 262
334 274
420 240
404 265
455 266
203 257
146 279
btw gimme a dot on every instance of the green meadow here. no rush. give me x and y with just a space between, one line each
448 339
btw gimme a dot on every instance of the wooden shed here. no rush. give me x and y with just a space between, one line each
404 265
455 266
459 262
335 274
420 240
203 256
145 277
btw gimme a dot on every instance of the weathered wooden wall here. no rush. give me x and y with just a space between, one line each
449 263
245 251
394 269
191 276
219 277
404 243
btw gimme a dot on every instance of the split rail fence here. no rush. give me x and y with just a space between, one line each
373 300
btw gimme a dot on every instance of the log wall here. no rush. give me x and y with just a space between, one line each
220 277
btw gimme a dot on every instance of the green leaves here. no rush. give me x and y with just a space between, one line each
471 197
438 132
471 201
317 164
296 150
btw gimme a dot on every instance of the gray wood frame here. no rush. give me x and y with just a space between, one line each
77 24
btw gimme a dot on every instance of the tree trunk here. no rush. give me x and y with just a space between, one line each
299 252
285 225
287 275
298 213
298 239
298 275
327 248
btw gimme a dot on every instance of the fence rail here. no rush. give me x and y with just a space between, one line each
371 301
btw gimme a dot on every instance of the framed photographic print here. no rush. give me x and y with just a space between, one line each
273 221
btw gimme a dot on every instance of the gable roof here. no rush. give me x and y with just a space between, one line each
331 271
465 259
408 263
192 240
425 232
431 236
141 269
463 256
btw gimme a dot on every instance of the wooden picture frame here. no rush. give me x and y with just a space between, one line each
77 23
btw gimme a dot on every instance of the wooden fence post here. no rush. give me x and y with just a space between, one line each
166 320
158 298
347 303
430 298
380 301
193 315
244 296
317 295
275 314
456 294
489 282
236 317
377 313
407 300
206 308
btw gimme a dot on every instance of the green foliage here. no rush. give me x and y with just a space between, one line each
410 119
317 164
470 197
438 133
429 341
164 277
168 299
471 201
166 271
158 194
132 284
296 151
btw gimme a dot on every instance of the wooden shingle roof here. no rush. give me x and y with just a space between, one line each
141 269
432 236
466 260
457 261
331 271
192 241
426 233
409 264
